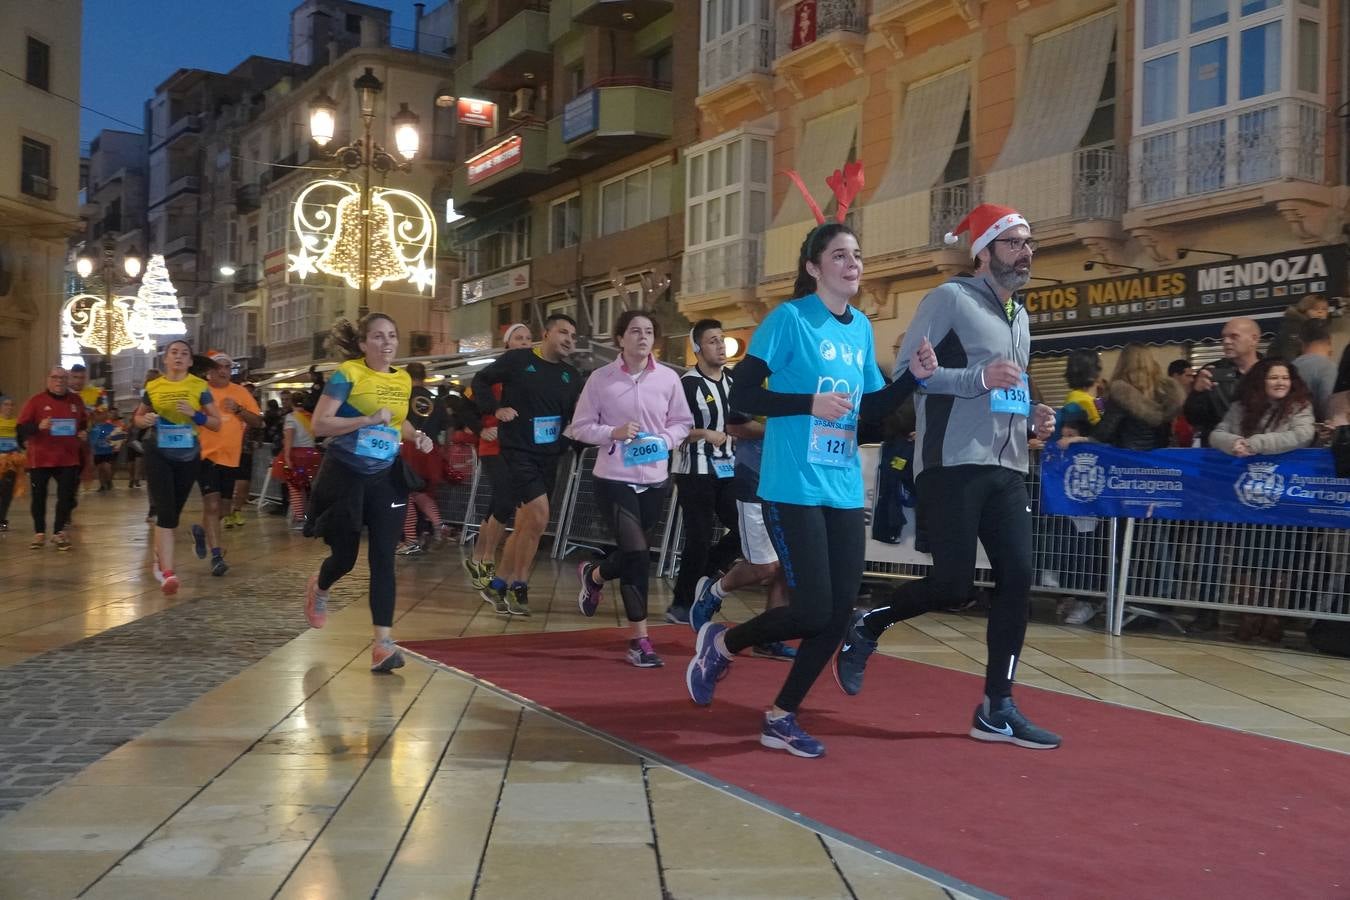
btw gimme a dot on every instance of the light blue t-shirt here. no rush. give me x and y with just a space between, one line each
810 461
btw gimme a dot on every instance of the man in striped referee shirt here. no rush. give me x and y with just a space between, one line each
704 468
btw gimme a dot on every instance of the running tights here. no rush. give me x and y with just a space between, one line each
169 482
6 493
960 505
821 549
382 515
67 483
631 515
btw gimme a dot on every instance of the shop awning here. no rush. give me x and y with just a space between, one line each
1154 335
823 147
930 120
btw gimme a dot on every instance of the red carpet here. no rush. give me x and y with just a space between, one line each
1134 803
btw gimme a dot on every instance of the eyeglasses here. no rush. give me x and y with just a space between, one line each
1016 244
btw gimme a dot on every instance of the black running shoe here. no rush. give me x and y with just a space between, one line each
851 661
219 566
1002 722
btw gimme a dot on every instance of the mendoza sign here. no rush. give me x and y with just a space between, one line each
1297 488
1226 288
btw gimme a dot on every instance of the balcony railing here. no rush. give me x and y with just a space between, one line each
744 51
831 16
721 267
1279 141
1075 186
247 278
947 206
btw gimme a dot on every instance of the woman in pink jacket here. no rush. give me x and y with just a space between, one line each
634 410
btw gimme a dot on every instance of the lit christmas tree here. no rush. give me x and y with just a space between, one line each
155 310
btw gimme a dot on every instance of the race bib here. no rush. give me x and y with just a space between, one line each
8 445
645 448
832 443
547 429
174 437
1015 400
377 442
63 428
724 468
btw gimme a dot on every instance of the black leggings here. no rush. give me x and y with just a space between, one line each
67 483
169 483
6 493
701 498
961 505
821 549
383 507
631 515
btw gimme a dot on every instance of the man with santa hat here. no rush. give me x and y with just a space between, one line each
975 415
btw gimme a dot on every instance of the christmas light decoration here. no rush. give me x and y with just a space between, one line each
93 324
155 310
401 236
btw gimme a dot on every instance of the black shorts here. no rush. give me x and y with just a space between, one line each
502 503
532 474
101 458
213 478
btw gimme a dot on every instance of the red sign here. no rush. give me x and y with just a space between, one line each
482 113
803 23
495 159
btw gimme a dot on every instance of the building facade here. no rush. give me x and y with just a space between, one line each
1140 139
568 126
39 183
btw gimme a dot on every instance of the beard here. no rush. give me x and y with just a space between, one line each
1008 277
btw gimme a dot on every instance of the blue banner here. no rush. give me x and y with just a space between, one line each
581 115
1298 488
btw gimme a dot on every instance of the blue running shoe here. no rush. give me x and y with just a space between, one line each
705 604
1001 721
707 667
851 661
775 650
199 541
677 615
785 734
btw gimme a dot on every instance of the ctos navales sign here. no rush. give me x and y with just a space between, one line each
1225 288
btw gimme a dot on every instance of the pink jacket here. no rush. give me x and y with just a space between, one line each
655 401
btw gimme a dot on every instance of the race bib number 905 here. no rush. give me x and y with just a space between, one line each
377 442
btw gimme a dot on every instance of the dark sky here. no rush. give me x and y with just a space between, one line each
130 46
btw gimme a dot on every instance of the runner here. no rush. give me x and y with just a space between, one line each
427 414
539 390
634 410
136 449
53 426
482 565
759 563
703 470
174 409
363 413
817 352
12 468
971 466
252 438
93 396
221 452
299 460
106 438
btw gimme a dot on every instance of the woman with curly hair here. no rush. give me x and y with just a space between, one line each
1272 414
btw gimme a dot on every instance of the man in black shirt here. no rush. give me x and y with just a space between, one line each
539 393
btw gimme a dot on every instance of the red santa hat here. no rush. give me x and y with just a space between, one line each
985 222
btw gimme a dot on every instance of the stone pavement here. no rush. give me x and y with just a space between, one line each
65 708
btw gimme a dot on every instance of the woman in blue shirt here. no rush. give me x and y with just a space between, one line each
816 351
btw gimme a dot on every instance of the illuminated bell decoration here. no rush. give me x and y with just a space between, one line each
92 323
326 220
342 257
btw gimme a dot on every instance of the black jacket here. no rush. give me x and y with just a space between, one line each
1206 409
1133 421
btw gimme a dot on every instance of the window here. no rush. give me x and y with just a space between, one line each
635 198
39 64
353 23
564 223
1208 14
1260 61
1208 75
277 206
575 81
661 67
1161 18
1309 56
957 170
726 211
1101 130
721 17
35 170
499 249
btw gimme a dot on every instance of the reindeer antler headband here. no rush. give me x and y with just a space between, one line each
845 186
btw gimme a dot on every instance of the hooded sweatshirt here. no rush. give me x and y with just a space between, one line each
614 396
969 329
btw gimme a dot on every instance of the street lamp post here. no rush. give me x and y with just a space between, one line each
106 263
365 154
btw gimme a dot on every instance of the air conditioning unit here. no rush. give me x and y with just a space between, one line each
522 104
420 344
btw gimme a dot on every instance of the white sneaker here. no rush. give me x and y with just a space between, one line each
1080 612
1049 578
